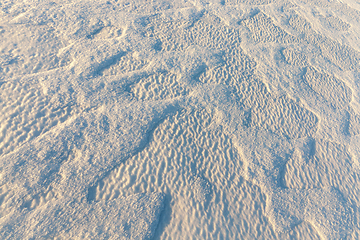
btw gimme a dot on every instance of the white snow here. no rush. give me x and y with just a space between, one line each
226 119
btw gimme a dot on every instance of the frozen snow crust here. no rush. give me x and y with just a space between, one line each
228 119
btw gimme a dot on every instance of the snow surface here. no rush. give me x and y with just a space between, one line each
143 119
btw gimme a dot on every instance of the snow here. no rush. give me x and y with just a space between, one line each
180 119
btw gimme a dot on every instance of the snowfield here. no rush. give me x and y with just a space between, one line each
185 119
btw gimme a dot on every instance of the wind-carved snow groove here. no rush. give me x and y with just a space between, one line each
106 32
118 63
159 86
107 63
102 58
196 165
26 113
263 30
128 62
40 199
